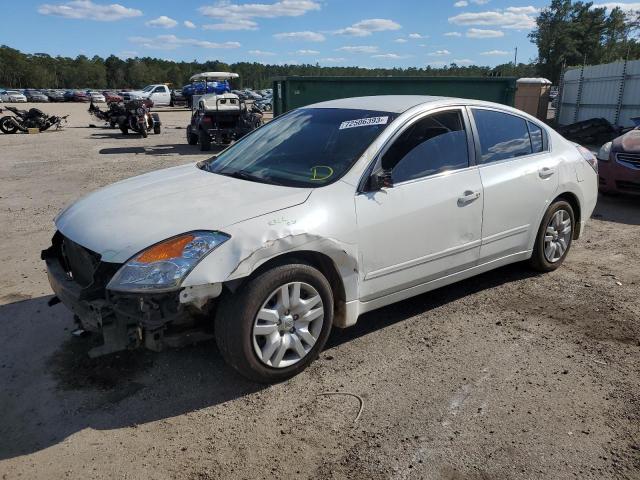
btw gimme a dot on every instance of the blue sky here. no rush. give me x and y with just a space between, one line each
368 33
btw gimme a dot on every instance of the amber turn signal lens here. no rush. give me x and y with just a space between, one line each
170 249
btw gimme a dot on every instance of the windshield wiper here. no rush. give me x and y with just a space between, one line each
244 175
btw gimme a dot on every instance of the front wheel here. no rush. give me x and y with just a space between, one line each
192 138
554 237
274 326
205 141
156 130
7 125
143 131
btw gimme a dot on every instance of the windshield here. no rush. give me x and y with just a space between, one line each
147 88
309 147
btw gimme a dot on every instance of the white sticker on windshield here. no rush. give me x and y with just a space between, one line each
364 122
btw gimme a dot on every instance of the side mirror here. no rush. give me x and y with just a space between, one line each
380 179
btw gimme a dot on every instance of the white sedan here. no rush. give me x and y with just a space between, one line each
321 215
97 97
13 96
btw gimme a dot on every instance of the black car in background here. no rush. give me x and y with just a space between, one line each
177 98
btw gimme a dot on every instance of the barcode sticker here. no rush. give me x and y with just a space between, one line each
364 122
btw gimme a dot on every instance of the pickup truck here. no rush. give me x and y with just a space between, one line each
159 94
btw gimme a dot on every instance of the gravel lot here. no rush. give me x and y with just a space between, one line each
509 375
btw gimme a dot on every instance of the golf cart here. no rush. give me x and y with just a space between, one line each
222 117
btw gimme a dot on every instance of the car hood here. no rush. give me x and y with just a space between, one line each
122 219
628 143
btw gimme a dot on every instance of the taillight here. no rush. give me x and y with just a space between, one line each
589 157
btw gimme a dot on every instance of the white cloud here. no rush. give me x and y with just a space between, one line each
480 2
364 28
261 53
526 10
497 18
189 24
232 25
162 22
461 3
358 49
627 7
307 52
440 53
333 59
305 36
453 34
128 54
463 61
495 53
400 40
390 56
171 42
86 9
481 33
416 36
234 16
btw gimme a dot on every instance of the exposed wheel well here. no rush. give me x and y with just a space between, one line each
575 204
320 261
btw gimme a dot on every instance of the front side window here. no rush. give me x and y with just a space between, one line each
434 144
502 136
159 90
309 147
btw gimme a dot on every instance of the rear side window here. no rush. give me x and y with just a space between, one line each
537 142
434 144
502 136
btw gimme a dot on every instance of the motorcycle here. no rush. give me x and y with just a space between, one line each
32 118
132 115
139 118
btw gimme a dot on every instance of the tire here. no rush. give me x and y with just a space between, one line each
7 126
540 260
143 132
124 129
205 141
192 138
157 129
237 316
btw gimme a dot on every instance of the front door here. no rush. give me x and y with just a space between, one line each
428 224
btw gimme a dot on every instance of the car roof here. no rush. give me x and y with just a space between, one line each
399 103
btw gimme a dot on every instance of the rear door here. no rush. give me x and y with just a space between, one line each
519 179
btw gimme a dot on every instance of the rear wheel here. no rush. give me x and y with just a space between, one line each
554 237
156 129
276 324
124 129
205 141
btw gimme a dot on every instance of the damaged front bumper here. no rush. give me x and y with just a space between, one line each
126 320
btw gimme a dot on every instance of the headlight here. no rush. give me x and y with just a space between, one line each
140 111
164 265
604 152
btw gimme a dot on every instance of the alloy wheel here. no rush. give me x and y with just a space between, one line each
288 324
557 236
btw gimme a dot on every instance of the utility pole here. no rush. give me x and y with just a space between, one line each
515 58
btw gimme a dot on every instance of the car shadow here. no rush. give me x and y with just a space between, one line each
619 208
52 390
159 150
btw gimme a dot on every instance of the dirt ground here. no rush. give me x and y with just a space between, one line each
509 375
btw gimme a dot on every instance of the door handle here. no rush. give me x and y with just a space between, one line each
467 197
546 172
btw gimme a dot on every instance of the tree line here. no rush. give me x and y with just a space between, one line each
567 33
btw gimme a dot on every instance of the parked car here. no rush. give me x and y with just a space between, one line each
55 95
80 96
12 96
112 97
177 98
159 94
321 215
96 97
619 164
35 96
266 104
68 95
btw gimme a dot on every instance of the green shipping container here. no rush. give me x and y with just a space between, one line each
294 92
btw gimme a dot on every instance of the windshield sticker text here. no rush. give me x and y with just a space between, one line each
364 122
